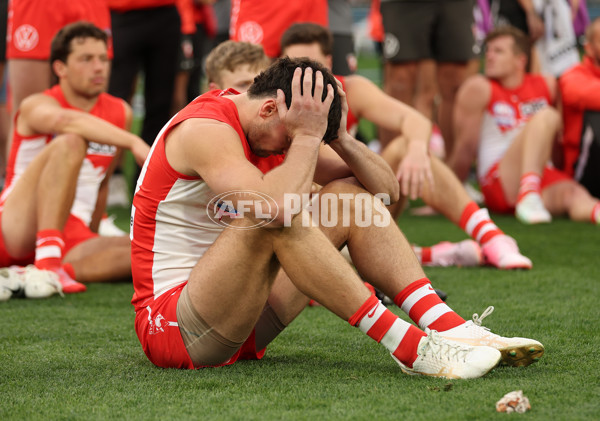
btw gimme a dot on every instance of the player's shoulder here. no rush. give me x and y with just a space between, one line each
36 100
112 100
477 82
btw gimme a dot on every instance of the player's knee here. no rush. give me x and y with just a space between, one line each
346 202
551 116
71 147
395 151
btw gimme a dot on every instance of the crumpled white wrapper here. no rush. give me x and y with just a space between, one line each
513 401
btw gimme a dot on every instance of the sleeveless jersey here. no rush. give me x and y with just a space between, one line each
98 158
351 121
506 113
170 225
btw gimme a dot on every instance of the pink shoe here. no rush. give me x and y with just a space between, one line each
502 252
464 253
69 285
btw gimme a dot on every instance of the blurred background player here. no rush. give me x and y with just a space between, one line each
264 21
419 174
506 119
427 43
32 25
579 87
65 141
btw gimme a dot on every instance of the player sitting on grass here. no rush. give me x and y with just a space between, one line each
217 276
507 119
234 64
64 144
419 174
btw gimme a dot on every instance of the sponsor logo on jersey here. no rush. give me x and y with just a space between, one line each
504 114
101 149
26 38
251 32
529 108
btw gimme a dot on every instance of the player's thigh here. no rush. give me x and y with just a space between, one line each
27 77
407 26
509 167
19 216
231 282
453 39
91 244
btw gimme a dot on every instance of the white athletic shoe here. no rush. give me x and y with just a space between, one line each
503 252
465 253
11 284
438 357
515 351
41 283
108 228
531 210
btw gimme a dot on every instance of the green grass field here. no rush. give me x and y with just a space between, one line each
78 357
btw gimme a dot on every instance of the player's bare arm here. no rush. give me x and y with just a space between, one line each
469 109
223 165
40 113
371 103
346 157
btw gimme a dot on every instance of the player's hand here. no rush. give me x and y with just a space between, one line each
535 25
140 151
343 132
307 115
415 170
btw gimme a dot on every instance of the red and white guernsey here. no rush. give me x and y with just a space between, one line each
351 120
264 21
98 158
506 113
170 226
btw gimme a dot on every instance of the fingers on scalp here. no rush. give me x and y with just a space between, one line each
319 85
296 82
307 81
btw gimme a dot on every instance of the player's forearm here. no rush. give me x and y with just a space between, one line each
369 168
417 128
296 174
95 129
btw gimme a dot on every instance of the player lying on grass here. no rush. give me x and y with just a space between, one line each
218 274
64 146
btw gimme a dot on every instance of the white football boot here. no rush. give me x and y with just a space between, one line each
515 351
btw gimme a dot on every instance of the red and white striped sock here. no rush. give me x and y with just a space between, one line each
399 337
49 247
425 308
596 214
476 222
529 183
423 254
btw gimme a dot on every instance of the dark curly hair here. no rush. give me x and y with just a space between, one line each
279 76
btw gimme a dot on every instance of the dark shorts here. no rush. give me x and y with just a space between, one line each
344 59
417 30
